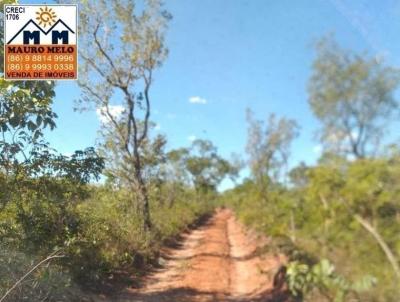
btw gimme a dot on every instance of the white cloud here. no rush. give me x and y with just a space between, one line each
192 138
157 127
197 100
115 112
317 149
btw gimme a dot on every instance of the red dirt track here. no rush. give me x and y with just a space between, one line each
219 261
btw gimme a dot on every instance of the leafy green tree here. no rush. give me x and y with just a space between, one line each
206 167
201 165
25 112
122 45
298 175
353 96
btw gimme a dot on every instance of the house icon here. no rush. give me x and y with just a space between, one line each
31 32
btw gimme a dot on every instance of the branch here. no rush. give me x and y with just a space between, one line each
108 58
52 256
148 81
377 236
131 121
99 71
384 246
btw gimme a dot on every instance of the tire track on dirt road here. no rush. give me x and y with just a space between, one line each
219 261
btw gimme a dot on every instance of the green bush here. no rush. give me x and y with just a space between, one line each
321 279
96 227
317 219
110 235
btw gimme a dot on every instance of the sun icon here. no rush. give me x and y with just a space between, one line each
46 16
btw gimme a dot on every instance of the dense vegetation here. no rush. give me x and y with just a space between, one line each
337 220
85 218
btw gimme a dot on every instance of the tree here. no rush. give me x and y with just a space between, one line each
352 95
119 169
122 47
25 112
202 165
268 146
298 175
206 167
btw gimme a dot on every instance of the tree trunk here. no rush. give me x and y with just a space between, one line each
386 249
292 227
171 197
326 224
143 196
144 208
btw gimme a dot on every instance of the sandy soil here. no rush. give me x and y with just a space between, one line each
219 261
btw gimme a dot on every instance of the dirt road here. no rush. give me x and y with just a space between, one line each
219 261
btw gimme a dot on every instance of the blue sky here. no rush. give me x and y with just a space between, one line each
234 54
